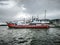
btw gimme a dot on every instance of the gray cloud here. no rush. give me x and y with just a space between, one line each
34 6
38 7
31 7
3 0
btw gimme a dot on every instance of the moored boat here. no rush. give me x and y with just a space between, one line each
32 24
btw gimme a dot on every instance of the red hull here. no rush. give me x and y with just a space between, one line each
10 25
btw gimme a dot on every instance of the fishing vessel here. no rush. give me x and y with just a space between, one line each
43 23
35 23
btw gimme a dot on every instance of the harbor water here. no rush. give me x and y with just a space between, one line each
49 36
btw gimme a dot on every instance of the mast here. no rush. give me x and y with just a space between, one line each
45 14
32 18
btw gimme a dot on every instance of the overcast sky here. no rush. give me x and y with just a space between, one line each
15 9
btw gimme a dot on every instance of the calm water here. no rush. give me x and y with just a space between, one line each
49 36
